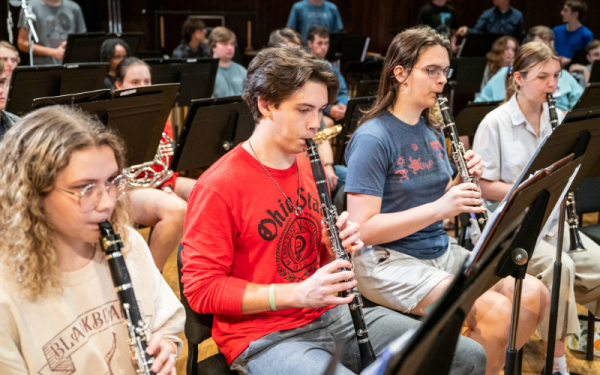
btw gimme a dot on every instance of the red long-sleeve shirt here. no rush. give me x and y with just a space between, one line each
238 229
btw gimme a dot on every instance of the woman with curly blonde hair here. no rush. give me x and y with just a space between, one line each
59 309
502 54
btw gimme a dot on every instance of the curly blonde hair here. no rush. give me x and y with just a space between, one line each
35 150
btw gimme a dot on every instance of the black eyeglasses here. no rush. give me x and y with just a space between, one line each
435 72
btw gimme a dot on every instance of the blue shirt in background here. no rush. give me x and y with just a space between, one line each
493 21
567 94
407 166
567 42
342 97
304 15
230 81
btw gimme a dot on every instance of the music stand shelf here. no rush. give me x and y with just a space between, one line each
82 48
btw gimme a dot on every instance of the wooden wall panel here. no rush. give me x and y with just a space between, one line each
380 19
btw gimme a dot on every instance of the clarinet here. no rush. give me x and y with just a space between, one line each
575 244
458 152
330 216
139 334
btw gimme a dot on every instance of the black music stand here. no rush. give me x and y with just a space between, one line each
354 111
212 128
504 249
468 120
196 77
469 74
582 114
476 45
590 97
85 47
367 88
347 47
29 83
595 73
139 114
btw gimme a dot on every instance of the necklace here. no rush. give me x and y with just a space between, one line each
297 209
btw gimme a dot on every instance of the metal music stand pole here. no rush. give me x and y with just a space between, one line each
32 35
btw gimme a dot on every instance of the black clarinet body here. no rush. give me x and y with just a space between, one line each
330 216
139 333
458 152
575 243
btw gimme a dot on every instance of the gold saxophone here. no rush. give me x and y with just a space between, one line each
327 134
143 175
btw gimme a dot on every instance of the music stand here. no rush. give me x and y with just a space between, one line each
28 83
336 42
590 97
195 76
139 115
212 128
582 114
595 73
503 249
354 111
367 88
86 47
476 45
468 120
469 74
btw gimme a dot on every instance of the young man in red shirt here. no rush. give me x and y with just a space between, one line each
254 253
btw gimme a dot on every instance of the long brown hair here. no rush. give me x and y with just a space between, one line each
496 55
405 50
528 56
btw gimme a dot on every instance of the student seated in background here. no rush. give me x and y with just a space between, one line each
11 58
572 36
582 72
7 119
440 16
306 14
567 93
162 207
501 55
285 36
113 51
501 19
193 43
54 21
318 43
231 76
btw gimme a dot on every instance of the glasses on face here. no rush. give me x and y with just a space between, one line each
435 72
90 195
11 59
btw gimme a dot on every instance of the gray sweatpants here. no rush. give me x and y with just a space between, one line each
307 350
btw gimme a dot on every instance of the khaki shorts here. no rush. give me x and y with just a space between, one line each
399 281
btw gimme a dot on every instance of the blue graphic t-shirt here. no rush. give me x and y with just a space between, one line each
304 15
407 167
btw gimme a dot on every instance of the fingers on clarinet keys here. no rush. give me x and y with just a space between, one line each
319 290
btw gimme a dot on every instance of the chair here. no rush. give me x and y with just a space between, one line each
197 329
586 198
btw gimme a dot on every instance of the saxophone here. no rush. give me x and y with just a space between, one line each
330 216
139 333
575 240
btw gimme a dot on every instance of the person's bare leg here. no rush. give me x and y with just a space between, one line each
433 295
559 347
183 187
166 213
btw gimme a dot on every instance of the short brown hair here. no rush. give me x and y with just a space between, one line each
317 30
220 34
275 74
190 26
285 36
592 46
542 32
5 44
578 6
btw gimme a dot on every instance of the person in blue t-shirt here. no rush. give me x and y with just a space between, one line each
310 13
231 76
567 94
501 19
572 36
400 188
